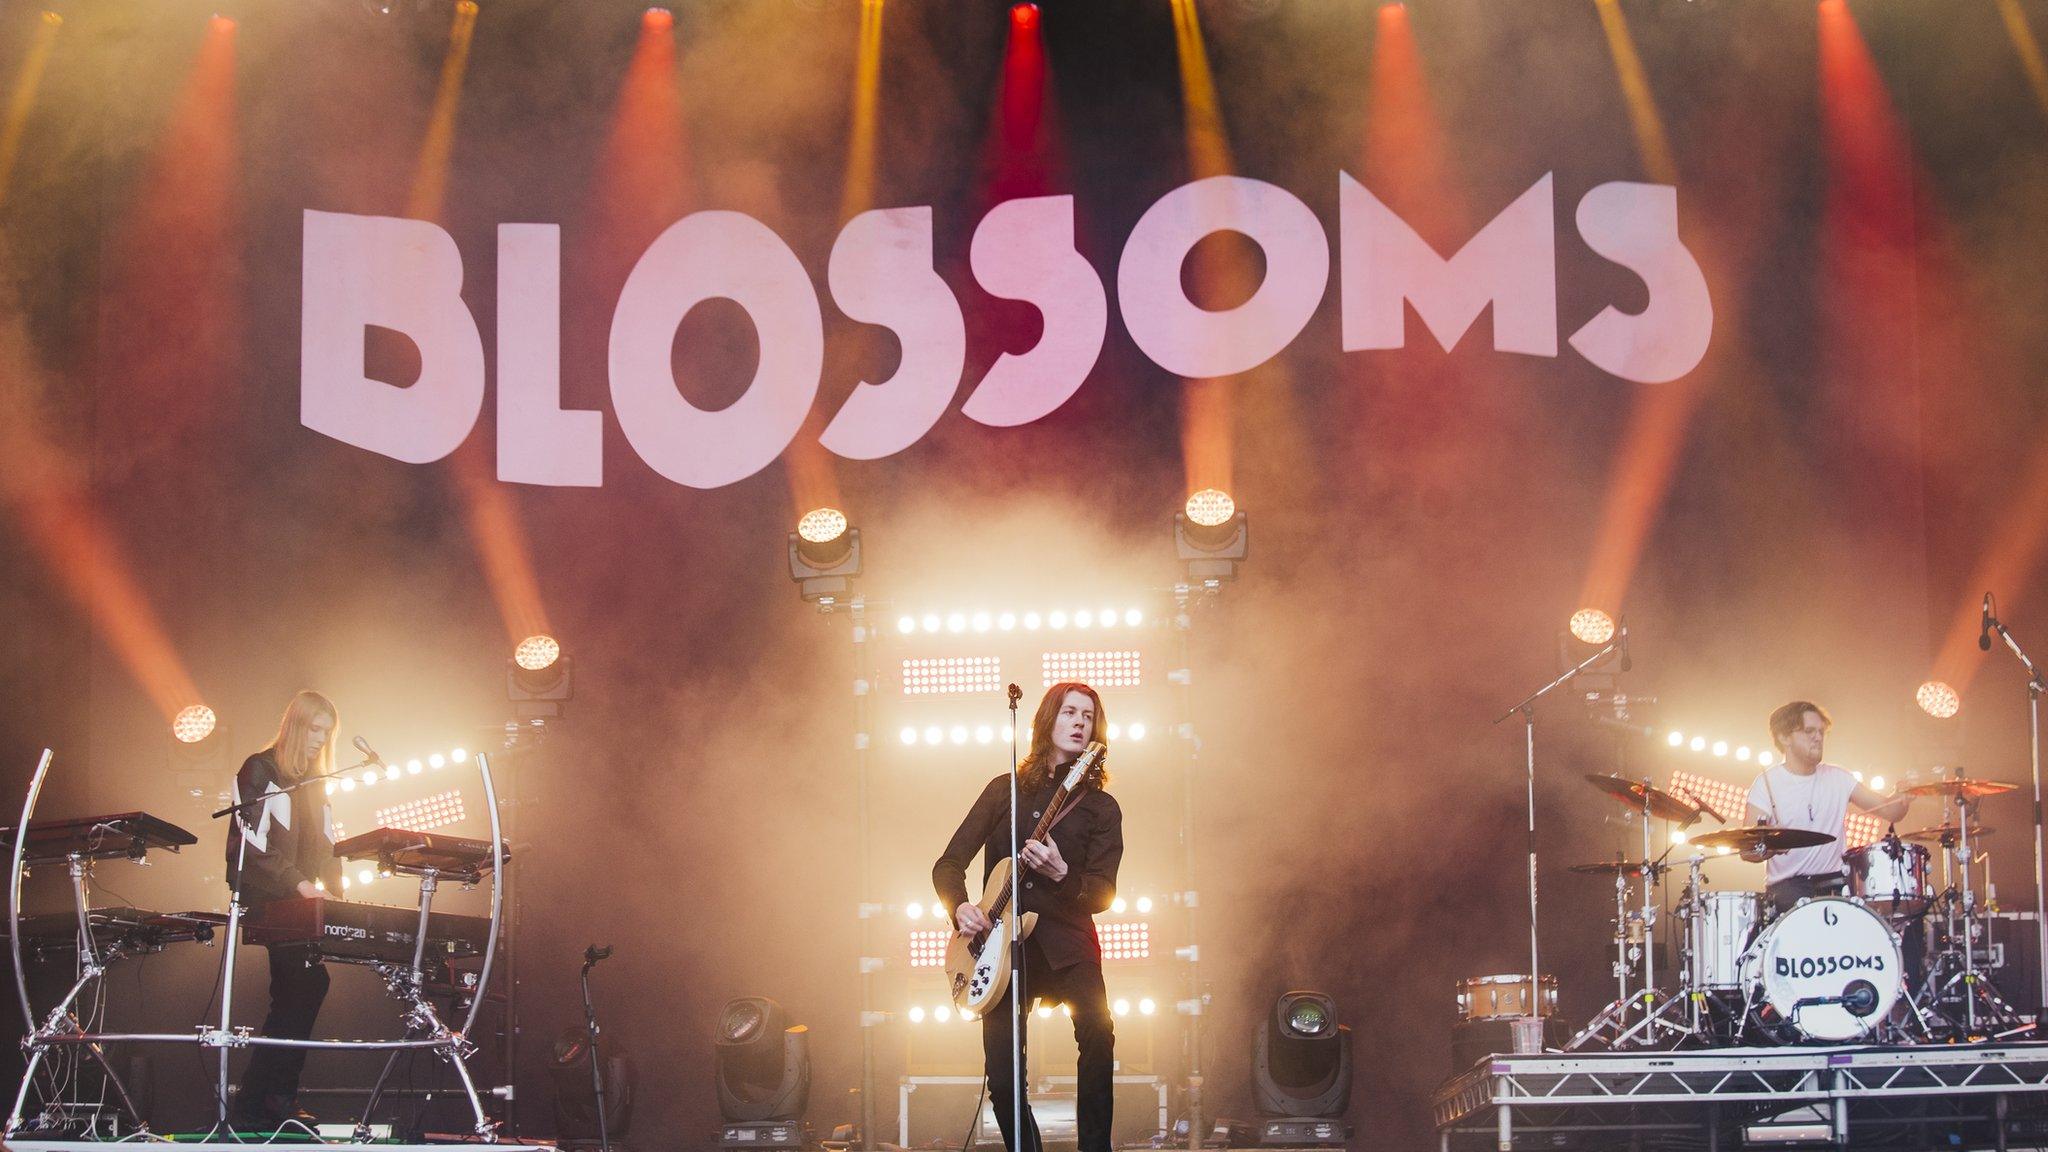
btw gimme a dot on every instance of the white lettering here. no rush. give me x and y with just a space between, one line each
538 442
1636 226
881 273
1024 250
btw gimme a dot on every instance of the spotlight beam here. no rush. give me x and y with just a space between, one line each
22 98
430 174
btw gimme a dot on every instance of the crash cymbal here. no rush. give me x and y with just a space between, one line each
1663 805
1624 867
1761 838
1944 834
1967 789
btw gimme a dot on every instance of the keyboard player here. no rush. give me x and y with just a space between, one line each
290 853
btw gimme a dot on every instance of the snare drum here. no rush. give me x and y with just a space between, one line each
1502 997
1890 877
1717 935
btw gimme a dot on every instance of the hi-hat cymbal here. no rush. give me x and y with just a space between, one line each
1761 838
1624 867
1944 834
1663 805
1967 789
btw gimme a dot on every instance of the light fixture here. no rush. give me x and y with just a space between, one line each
824 556
762 1069
1592 626
1211 536
1676 738
537 678
1938 700
193 723
1301 1071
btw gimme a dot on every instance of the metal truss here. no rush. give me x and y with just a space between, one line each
1705 1095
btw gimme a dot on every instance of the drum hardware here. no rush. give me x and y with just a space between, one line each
1759 839
1953 981
1890 875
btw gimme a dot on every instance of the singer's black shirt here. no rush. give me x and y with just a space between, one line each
290 838
1090 840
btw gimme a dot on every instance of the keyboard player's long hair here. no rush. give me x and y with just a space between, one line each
290 746
1038 764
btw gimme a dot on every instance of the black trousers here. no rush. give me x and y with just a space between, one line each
1079 987
298 983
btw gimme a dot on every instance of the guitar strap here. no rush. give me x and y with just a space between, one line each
1073 802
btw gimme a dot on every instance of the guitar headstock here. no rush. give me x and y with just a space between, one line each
1087 770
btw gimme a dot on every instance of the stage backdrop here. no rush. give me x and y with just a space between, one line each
345 344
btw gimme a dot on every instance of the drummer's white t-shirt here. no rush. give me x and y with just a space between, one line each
1817 803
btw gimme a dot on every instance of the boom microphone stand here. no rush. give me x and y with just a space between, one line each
591 956
1016 915
2035 686
1527 708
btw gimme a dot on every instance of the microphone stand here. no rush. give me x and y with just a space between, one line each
1527 708
2035 686
235 909
1016 916
591 956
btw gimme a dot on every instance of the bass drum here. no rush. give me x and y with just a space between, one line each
1829 969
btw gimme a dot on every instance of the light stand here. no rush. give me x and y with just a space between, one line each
2035 687
1527 709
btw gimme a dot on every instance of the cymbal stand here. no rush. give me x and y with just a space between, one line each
1653 1023
1615 1015
1979 998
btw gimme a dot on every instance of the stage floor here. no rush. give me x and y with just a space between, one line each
1951 1096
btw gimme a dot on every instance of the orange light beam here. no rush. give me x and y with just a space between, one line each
1207 409
2029 48
1654 437
23 96
430 175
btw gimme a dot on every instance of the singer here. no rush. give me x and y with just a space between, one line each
290 853
1070 877
1803 792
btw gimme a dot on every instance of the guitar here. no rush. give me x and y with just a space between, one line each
978 968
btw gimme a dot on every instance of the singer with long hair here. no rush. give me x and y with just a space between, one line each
285 847
1069 877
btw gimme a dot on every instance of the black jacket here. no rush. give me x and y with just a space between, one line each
1090 839
291 838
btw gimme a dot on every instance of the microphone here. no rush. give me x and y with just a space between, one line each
1626 661
363 746
1017 693
1702 804
595 953
1984 626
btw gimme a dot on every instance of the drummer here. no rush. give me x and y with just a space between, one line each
1801 791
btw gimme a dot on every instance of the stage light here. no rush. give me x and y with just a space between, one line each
1211 536
1301 1065
1676 738
917 1014
347 785
436 760
938 910
763 1074
1742 753
1118 906
576 1108
824 556
1877 783
391 771
934 736
1007 622
1031 621
982 622
1045 1011
1116 731
330 788
984 735
1084 619
1720 748
1134 617
1066 1010
1592 626
909 735
931 622
1136 731
1144 904
906 625
424 814
914 911
459 756
536 653
1024 16
365 875
193 723
1056 620
1122 1007
1697 743
369 776
942 1014
1678 836
1766 759
538 671
1938 700
657 18
957 622
1210 508
414 767
1147 1006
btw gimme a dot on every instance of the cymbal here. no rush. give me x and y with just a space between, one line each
1663 805
1761 838
1944 834
1624 867
1967 789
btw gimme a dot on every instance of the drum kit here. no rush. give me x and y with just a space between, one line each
1882 955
